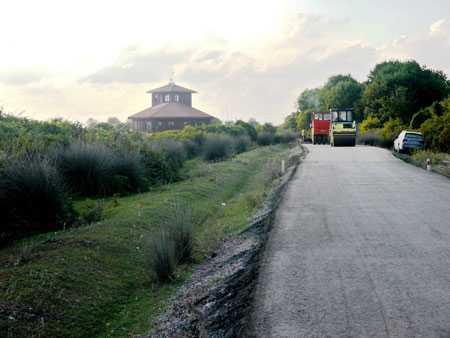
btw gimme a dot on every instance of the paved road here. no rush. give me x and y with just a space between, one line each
360 248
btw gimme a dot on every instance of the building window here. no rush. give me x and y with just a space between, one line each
171 123
160 123
156 97
185 123
177 98
167 98
148 125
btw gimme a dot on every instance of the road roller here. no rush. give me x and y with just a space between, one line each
342 128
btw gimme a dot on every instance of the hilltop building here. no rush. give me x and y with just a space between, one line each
171 109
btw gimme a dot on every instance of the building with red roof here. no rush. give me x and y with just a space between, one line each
171 109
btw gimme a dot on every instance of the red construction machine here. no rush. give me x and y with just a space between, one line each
320 127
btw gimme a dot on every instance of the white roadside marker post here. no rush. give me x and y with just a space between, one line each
282 166
428 164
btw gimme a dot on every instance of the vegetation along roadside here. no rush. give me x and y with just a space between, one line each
96 279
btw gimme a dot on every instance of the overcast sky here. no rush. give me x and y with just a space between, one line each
81 59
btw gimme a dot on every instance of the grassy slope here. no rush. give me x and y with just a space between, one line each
94 280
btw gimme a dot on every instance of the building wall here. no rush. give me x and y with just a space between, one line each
185 98
156 125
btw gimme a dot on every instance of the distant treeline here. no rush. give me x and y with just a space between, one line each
397 95
44 166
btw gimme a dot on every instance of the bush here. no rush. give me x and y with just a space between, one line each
174 151
127 173
419 158
284 137
162 257
436 133
241 144
33 199
156 169
87 167
218 148
371 123
265 139
390 131
93 214
192 148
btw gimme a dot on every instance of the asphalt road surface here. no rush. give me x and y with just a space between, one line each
360 247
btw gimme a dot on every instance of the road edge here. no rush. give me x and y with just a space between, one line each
216 299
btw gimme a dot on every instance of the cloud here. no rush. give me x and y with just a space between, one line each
138 65
24 75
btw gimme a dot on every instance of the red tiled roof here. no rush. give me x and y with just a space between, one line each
170 110
171 88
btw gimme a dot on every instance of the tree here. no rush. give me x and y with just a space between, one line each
91 122
113 121
290 122
397 90
251 131
253 122
267 128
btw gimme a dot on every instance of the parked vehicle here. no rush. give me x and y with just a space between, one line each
320 127
343 128
408 140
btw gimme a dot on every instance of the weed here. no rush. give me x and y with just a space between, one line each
162 257
254 198
26 252
93 214
269 172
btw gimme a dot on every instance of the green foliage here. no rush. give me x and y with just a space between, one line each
218 148
251 131
241 144
396 90
266 128
157 169
290 122
309 100
265 139
391 130
127 173
304 119
162 257
436 133
420 117
371 138
174 151
33 199
371 123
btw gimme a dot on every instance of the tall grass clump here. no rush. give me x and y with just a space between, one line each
269 172
174 151
419 157
370 138
218 148
87 167
162 257
127 173
265 139
242 144
33 198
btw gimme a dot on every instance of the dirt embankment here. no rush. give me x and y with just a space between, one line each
216 299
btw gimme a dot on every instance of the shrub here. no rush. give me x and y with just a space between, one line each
390 131
241 144
371 123
93 214
251 131
218 148
127 173
419 158
284 137
418 118
436 133
156 169
162 257
192 148
265 139
174 151
33 199
87 167
254 199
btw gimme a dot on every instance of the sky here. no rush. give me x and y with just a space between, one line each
246 59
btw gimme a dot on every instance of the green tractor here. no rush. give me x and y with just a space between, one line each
342 128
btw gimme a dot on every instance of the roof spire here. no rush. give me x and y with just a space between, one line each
171 79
